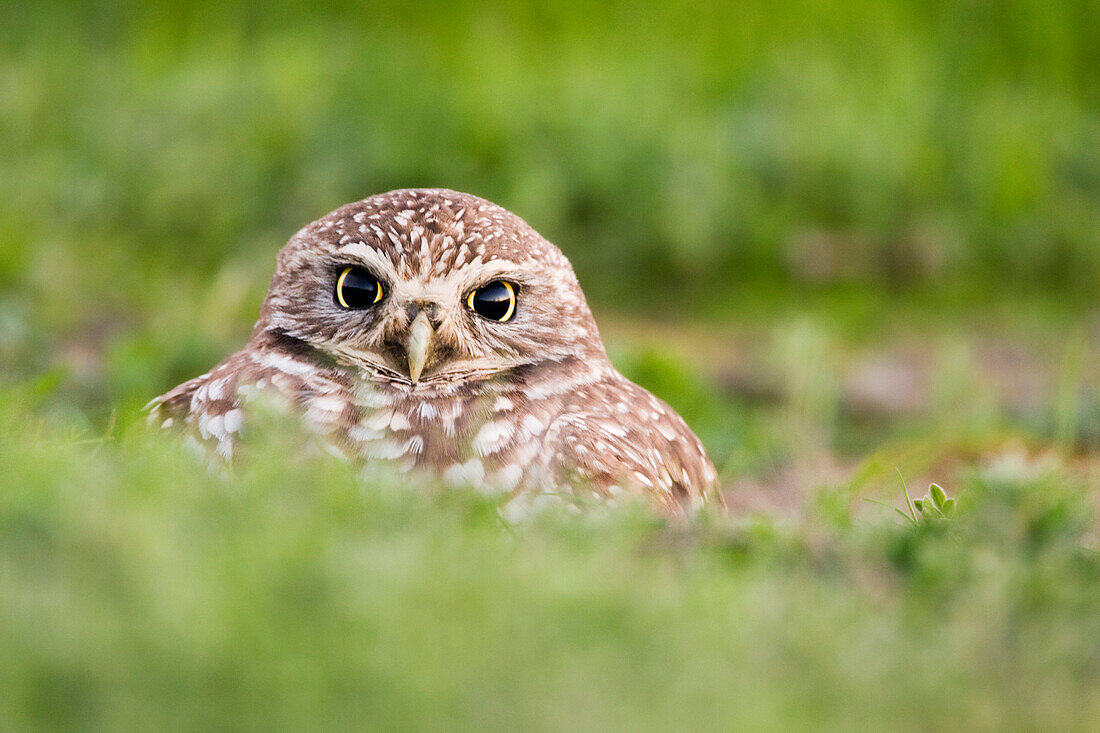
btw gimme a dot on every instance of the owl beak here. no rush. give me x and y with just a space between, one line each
420 344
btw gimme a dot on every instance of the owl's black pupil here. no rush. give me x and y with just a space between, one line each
359 289
493 301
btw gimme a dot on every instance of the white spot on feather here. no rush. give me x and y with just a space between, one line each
508 477
215 427
470 472
379 420
492 437
614 429
233 420
284 363
532 425
384 449
216 389
327 403
372 398
364 434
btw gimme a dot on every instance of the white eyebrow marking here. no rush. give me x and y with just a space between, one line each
492 269
372 258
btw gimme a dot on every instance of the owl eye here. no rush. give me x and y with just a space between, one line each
495 301
357 288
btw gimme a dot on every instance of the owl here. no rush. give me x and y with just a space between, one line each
433 331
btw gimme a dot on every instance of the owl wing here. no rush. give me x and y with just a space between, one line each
281 374
616 438
208 406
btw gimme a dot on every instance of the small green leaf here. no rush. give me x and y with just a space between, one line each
919 504
938 495
948 506
928 510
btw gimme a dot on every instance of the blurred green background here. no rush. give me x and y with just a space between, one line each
845 239
872 163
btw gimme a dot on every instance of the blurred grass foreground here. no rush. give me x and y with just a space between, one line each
854 243
138 591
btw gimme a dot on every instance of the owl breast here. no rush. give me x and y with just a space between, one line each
486 435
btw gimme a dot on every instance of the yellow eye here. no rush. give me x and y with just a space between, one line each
495 301
357 288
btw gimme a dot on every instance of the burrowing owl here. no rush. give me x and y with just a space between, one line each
432 329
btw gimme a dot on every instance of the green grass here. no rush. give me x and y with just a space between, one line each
138 590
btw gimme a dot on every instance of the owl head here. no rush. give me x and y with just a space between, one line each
429 287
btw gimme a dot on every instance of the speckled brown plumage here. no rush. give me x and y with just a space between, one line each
531 407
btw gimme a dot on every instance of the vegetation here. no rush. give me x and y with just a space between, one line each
140 591
846 240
